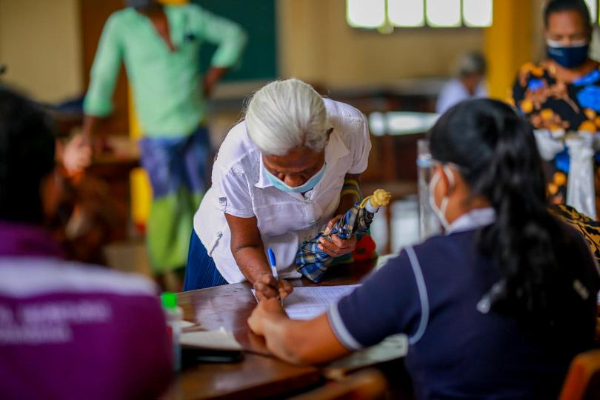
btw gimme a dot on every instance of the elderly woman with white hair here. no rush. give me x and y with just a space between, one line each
289 170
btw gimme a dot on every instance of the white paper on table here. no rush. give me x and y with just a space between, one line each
310 302
219 340
187 324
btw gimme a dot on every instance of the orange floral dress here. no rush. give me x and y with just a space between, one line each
552 104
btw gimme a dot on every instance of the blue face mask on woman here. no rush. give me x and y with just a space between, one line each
305 187
568 56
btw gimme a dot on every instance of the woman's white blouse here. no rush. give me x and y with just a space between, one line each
240 188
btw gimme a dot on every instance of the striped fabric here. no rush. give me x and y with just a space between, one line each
351 187
312 262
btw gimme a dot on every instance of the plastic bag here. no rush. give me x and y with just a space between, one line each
580 189
547 145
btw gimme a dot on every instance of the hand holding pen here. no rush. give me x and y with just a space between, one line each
268 285
273 264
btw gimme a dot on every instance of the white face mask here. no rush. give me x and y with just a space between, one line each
440 212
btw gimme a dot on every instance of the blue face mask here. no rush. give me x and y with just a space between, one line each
305 187
568 57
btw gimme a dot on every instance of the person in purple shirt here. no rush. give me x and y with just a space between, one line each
67 330
497 307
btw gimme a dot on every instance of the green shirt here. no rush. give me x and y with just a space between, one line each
166 85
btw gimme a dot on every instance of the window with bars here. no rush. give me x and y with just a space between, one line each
386 15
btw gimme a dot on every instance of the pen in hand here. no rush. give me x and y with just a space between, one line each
273 263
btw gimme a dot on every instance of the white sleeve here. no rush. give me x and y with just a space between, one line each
233 193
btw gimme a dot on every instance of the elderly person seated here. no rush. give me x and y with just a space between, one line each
289 170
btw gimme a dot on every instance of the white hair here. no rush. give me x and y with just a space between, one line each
284 115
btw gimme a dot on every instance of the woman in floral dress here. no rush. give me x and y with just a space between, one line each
562 93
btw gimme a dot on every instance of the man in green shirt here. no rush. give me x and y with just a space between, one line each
159 46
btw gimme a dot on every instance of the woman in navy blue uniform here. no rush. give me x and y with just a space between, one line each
497 306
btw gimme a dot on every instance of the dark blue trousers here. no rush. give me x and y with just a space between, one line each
201 271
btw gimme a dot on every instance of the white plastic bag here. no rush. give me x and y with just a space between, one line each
580 189
547 145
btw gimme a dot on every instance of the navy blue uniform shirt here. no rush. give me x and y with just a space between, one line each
431 293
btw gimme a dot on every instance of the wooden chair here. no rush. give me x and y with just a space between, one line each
583 378
365 385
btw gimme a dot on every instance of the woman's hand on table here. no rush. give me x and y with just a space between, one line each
266 309
336 247
267 287
288 339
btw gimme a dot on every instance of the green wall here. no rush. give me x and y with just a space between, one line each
257 17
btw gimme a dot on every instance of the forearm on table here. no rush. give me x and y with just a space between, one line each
302 342
251 261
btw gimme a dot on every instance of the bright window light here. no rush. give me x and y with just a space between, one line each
443 13
365 13
406 13
478 13
593 6
377 123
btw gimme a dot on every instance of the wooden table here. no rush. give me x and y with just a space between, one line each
113 169
259 374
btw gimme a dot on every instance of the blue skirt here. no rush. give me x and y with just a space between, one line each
201 271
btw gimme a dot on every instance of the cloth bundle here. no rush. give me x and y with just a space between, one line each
312 262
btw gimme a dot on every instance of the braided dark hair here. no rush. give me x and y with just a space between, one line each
499 158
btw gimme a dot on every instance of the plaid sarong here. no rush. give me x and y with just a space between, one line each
312 262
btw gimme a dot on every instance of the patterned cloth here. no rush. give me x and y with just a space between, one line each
549 103
312 262
178 171
589 229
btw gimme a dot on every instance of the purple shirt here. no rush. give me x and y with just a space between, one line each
74 331
26 240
